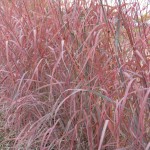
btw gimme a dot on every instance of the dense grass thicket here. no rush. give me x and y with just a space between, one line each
74 76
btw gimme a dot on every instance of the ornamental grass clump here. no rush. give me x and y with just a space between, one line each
74 75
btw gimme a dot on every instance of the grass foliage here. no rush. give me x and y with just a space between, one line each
74 76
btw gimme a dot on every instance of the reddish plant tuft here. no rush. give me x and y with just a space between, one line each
74 75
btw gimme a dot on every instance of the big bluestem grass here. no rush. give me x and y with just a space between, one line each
74 76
